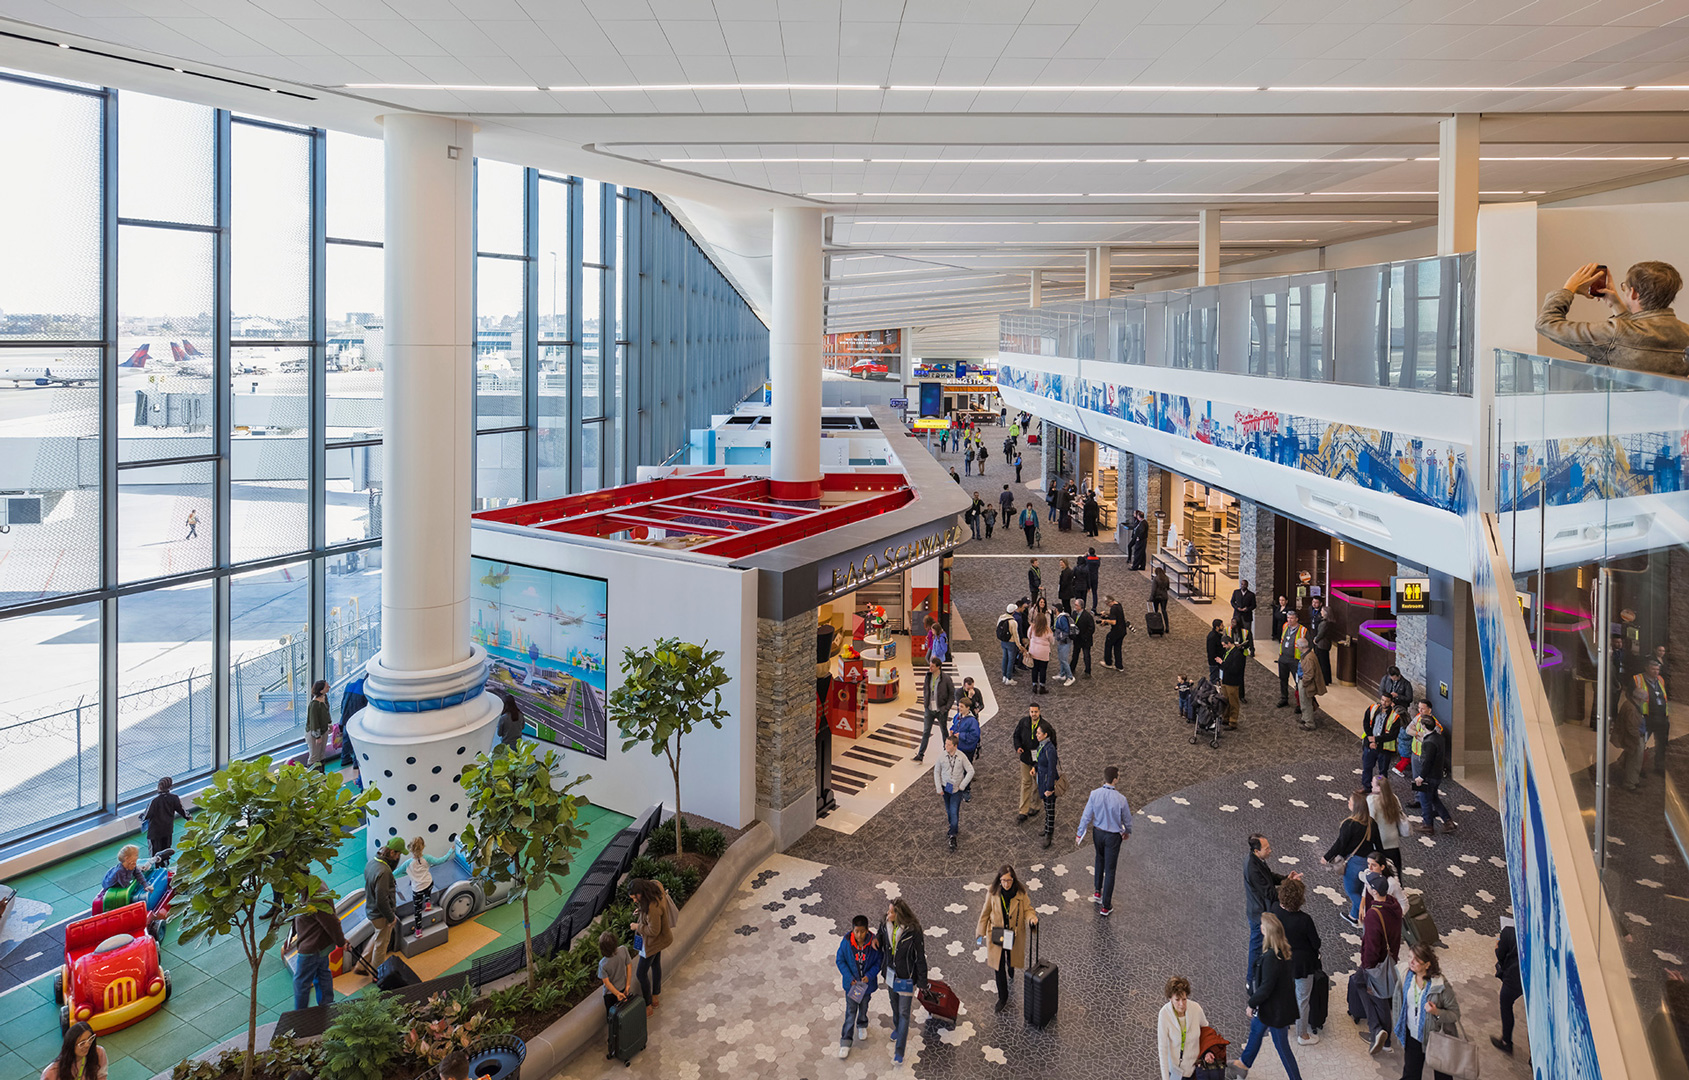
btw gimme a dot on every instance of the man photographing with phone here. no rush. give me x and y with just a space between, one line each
1642 334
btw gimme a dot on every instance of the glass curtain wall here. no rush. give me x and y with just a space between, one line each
191 390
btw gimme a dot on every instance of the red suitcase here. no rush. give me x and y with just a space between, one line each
940 1001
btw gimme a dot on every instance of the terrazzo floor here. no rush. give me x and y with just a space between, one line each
767 1003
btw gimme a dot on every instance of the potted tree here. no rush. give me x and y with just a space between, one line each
257 832
521 825
666 691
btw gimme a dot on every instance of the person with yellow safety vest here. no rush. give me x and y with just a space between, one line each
1379 726
1292 646
1656 710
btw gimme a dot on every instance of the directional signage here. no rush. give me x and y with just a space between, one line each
898 403
1410 596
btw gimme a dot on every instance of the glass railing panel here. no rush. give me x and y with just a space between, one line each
1404 325
1588 473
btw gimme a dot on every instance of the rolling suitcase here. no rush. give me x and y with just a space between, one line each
1418 928
395 974
1319 1000
1040 991
1154 624
627 1029
940 1001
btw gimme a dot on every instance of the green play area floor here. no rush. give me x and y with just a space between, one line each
210 982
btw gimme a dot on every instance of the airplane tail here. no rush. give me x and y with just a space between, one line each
138 358
176 353
188 348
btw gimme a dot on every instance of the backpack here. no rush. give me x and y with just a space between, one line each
1003 633
1064 629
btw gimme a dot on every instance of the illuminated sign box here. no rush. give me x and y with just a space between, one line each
1410 596
931 423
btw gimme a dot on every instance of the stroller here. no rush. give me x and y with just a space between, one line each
1208 708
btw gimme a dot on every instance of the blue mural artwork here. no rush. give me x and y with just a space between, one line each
1562 1044
1564 472
1421 470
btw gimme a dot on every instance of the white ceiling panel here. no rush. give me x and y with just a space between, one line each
945 200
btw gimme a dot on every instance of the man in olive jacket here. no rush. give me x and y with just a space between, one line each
1642 334
379 906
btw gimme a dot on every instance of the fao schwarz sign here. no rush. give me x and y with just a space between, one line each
861 568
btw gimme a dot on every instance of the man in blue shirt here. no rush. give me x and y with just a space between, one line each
1109 817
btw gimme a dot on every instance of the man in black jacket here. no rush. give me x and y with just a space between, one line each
1026 748
1138 540
1067 584
939 694
1092 564
1243 603
1084 631
1260 892
1399 688
1512 987
1324 630
1434 755
1231 681
1214 647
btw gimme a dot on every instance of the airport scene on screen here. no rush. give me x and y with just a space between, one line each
545 632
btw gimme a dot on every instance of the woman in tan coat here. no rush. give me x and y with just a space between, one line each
655 917
1005 917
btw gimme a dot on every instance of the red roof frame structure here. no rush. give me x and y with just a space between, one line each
738 515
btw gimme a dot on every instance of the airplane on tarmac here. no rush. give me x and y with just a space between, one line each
189 360
67 372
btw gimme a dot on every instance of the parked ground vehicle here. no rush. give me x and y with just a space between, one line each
111 976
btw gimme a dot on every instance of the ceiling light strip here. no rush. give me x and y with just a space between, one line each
1015 88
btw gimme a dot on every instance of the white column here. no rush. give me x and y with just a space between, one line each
428 714
1457 184
1035 295
1208 248
1098 267
794 354
906 351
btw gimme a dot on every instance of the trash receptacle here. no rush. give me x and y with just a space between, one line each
1344 669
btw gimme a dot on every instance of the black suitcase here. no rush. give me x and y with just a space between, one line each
1042 987
395 974
627 1029
1319 1000
1154 624
1418 927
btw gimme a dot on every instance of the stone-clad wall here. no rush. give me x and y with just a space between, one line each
1257 555
786 725
1410 640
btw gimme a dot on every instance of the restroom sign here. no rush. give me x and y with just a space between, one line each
1410 596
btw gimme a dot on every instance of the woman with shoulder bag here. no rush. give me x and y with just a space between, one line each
1387 813
1272 1006
1178 1030
1357 838
1425 1009
1003 920
1051 786
655 912
903 952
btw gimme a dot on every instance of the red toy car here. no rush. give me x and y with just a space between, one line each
111 977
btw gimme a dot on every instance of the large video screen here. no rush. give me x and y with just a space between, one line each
544 631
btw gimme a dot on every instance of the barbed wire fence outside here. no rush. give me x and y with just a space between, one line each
50 762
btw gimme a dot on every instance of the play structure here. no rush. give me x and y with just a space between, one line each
458 897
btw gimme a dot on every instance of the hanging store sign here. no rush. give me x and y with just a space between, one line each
1410 596
849 572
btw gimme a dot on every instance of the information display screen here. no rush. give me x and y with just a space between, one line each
545 632
932 399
